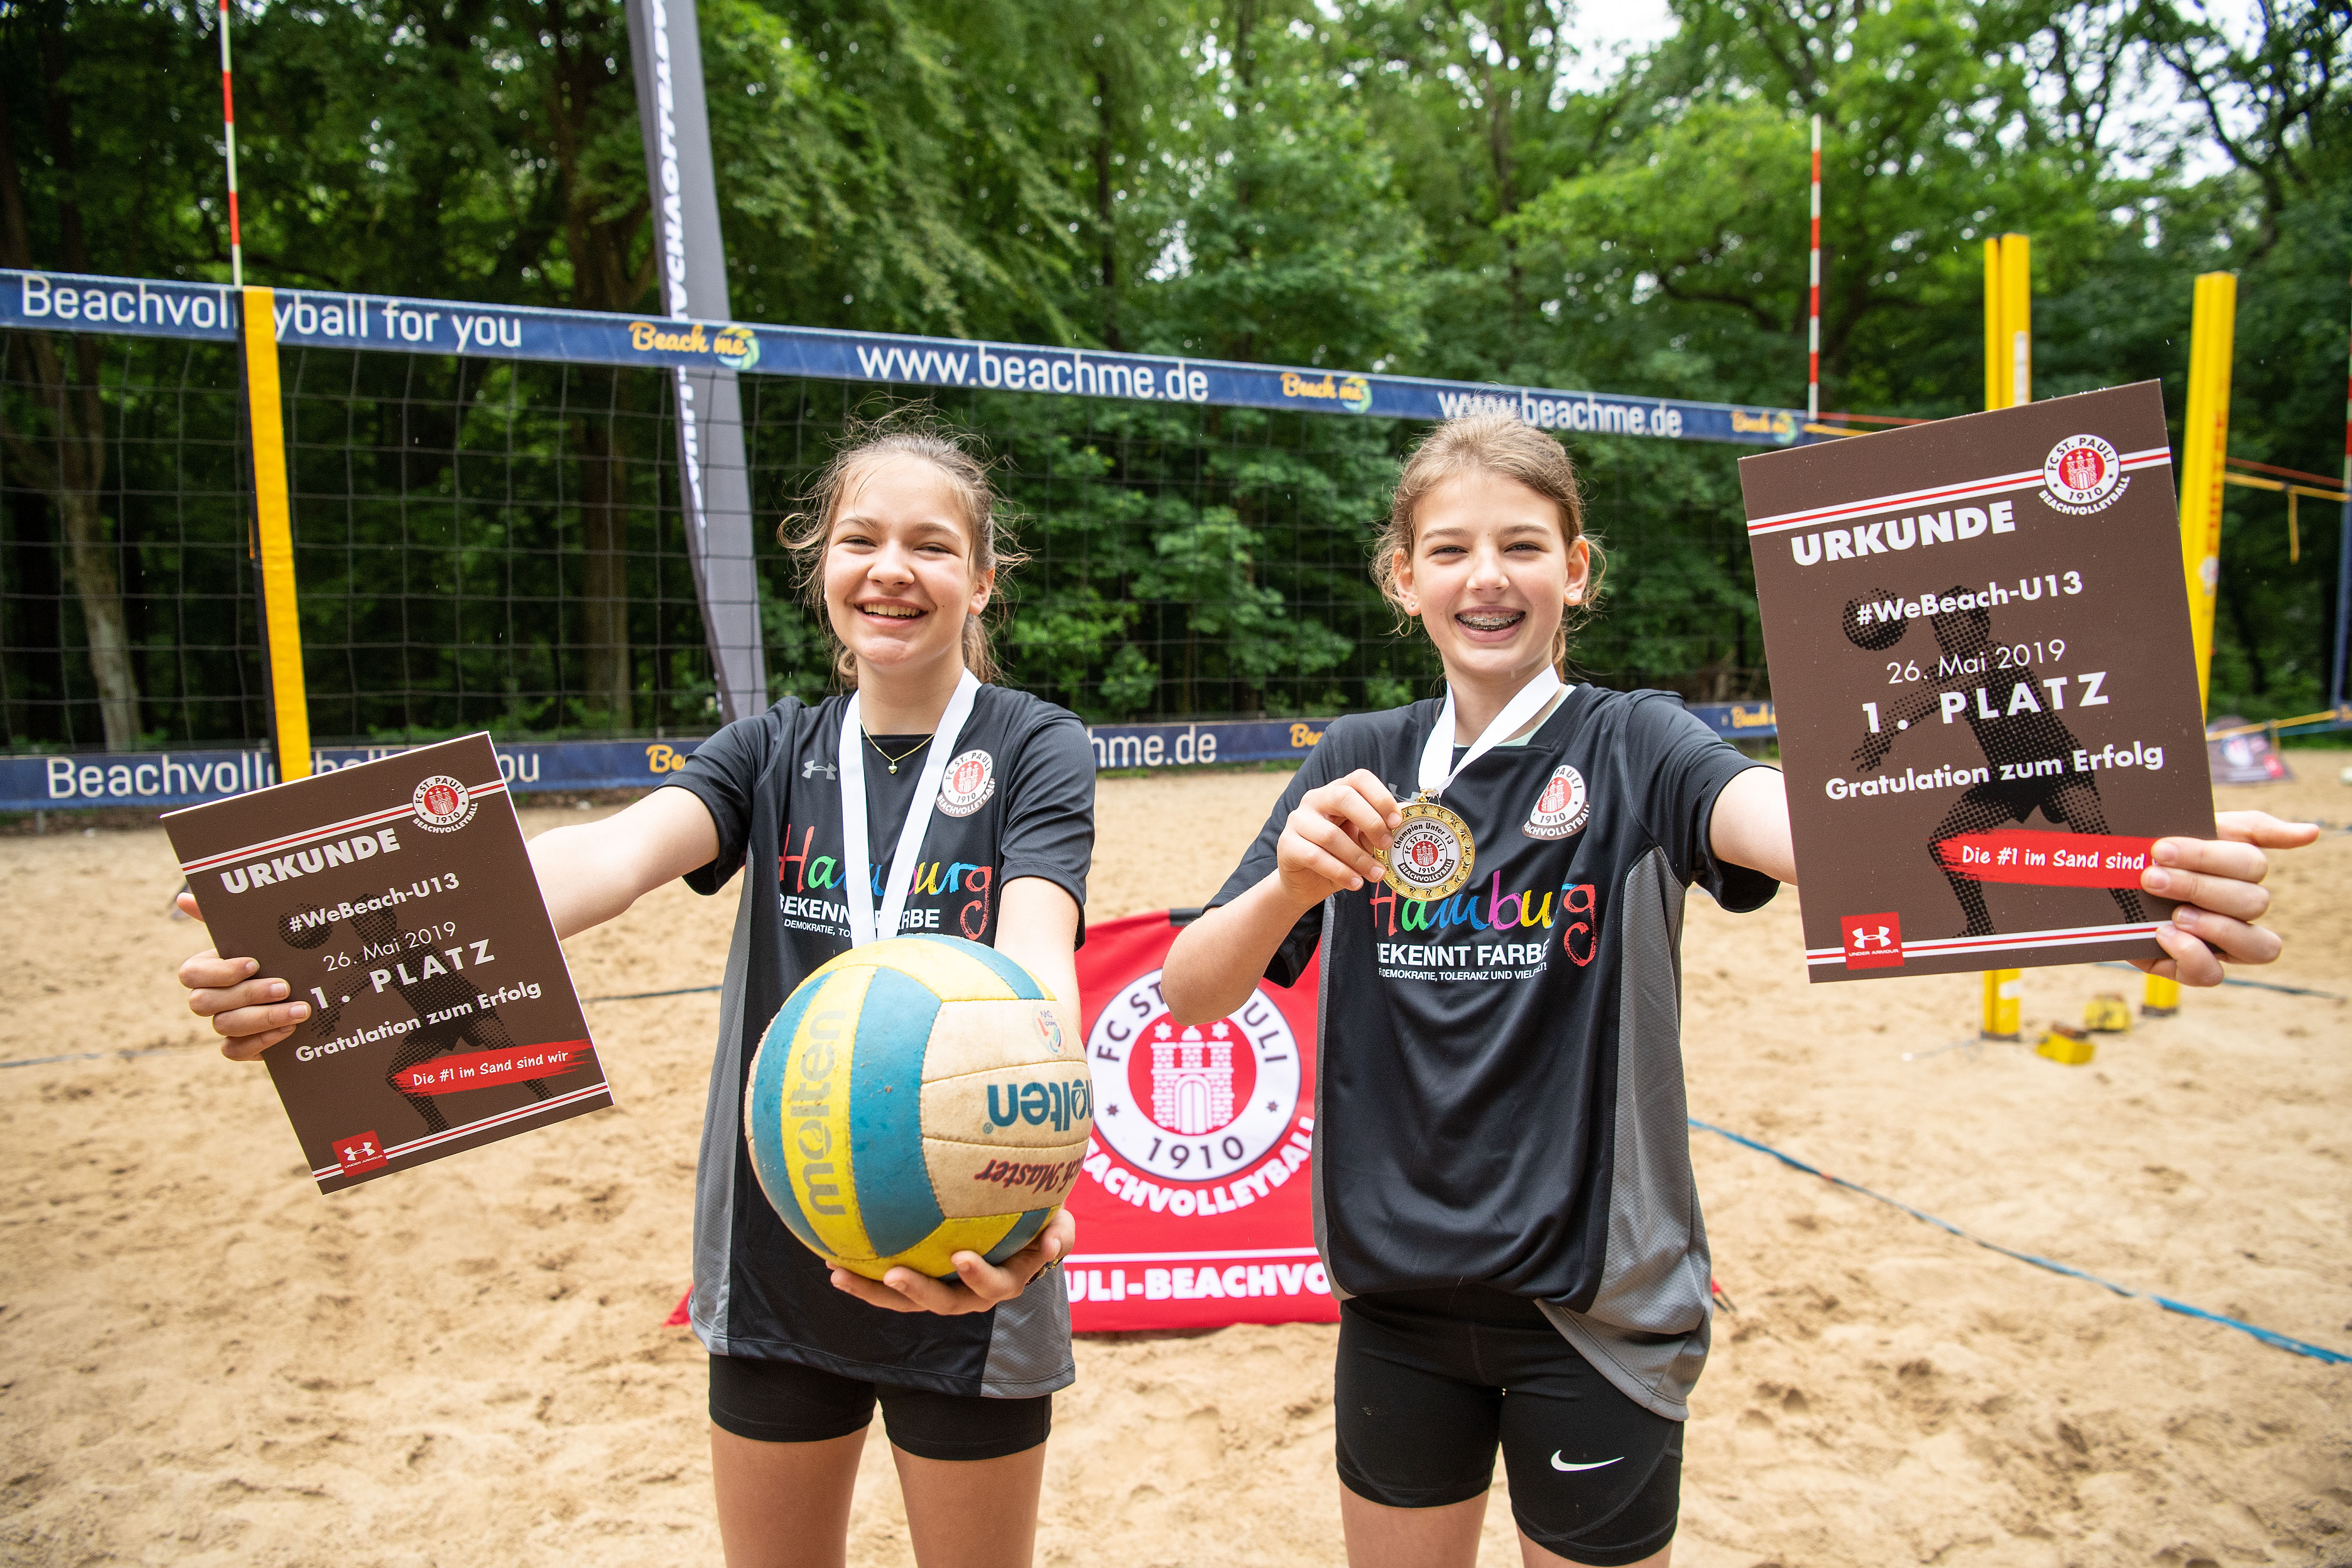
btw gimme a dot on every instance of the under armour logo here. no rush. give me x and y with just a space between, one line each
1873 942
362 1151
811 768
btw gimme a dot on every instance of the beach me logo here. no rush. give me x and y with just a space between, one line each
1352 393
1775 424
737 348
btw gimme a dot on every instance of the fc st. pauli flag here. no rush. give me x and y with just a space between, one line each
1194 1210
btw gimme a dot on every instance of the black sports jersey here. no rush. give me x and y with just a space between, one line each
771 784
1499 1097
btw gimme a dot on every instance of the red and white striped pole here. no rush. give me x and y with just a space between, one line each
1813 317
228 124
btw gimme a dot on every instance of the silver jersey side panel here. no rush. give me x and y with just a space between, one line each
1647 1328
1029 1342
1322 1071
722 1136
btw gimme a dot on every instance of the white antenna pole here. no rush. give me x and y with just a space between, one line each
1813 322
228 125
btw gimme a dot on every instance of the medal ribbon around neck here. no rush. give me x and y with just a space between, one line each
857 856
1438 768
1434 852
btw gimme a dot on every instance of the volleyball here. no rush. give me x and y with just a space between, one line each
916 1098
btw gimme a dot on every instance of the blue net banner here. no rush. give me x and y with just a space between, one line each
308 319
167 780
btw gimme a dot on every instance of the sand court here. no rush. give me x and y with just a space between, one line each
203 1360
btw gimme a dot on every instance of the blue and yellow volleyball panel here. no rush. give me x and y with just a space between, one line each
916 1098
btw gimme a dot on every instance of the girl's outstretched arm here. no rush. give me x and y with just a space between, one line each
592 872
1750 825
1329 844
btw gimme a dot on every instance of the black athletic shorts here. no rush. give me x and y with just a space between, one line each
1431 1381
784 1401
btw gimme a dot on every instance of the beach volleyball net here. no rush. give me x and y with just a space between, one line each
486 543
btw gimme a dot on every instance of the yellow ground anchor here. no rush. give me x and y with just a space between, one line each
2071 1047
2108 1014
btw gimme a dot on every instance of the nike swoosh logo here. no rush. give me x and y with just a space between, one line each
1596 1465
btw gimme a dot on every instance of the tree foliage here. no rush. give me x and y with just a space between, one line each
1449 189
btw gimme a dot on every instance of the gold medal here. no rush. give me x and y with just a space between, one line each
1432 853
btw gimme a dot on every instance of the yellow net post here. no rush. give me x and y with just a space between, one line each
2204 452
2017 316
1996 363
2004 1002
2205 446
274 537
2008 381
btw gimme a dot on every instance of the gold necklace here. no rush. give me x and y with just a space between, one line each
901 757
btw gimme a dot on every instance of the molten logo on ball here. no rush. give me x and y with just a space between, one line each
913 1099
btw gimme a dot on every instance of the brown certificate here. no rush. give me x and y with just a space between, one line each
397 898
1980 645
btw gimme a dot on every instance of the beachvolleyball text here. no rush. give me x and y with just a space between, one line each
1186 1201
1195 1283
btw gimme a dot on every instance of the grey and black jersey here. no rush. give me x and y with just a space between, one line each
1024 808
1500 1093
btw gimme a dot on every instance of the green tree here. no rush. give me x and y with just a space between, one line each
1411 185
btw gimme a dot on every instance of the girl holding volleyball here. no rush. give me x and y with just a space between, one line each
1502 1192
996 787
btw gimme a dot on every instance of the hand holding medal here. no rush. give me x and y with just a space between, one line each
1434 852
1353 830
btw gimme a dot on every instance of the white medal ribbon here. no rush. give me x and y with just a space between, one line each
1438 768
857 857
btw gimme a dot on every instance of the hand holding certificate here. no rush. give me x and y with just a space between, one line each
397 899
1988 702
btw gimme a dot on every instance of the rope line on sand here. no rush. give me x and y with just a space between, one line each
2256 985
2276 1341
649 996
93 1056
